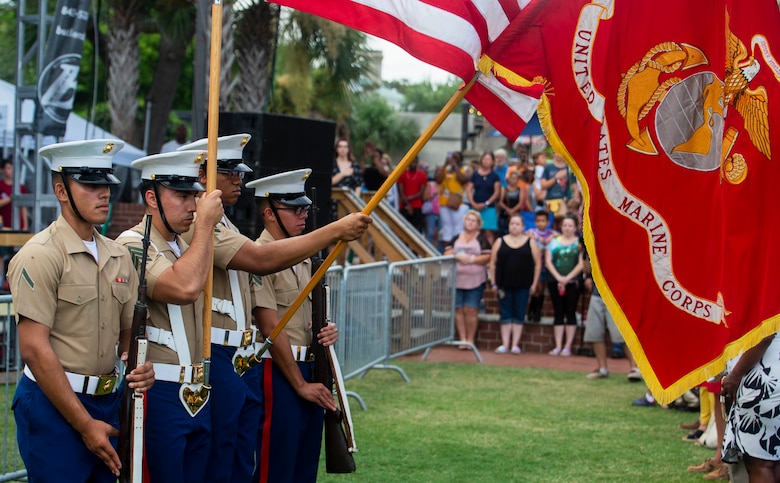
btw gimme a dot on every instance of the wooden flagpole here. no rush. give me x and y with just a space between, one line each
211 170
456 98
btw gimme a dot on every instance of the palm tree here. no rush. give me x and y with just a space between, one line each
255 39
123 66
175 20
322 65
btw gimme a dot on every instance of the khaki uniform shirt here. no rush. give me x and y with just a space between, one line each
56 282
279 290
161 257
227 242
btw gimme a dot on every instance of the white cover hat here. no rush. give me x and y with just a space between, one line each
88 162
288 188
177 170
230 151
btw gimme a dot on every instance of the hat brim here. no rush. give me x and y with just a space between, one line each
94 177
182 185
301 200
230 165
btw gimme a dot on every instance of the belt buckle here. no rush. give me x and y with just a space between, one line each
247 337
105 385
197 374
241 360
218 306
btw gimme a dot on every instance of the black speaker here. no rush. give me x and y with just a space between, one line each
282 143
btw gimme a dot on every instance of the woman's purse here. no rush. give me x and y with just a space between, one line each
454 200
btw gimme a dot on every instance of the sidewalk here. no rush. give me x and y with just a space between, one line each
582 364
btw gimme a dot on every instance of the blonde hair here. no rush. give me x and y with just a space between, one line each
476 214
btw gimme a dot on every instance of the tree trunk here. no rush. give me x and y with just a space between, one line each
123 73
163 88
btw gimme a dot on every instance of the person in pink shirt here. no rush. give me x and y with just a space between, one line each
472 254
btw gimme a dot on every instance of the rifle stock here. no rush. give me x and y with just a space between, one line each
130 445
338 457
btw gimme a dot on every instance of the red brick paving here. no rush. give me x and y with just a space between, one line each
583 364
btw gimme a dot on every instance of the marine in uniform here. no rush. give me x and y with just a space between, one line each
178 423
291 429
236 397
74 292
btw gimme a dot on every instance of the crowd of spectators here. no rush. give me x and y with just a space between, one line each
498 206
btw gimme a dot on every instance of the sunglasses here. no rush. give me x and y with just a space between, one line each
232 173
298 210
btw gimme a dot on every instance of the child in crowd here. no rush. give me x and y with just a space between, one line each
542 233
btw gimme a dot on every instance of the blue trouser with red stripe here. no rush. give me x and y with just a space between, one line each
290 435
50 448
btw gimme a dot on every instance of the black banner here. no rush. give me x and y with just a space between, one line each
62 60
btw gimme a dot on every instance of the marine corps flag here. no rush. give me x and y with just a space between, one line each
669 112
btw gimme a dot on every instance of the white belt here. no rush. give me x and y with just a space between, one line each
300 353
161 337
233 338
224 307
89 385
179 374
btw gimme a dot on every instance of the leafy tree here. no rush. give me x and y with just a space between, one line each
425 96
320 65
7 38
372 119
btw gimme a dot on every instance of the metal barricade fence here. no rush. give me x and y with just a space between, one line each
363 322
333 279
423 304
11 367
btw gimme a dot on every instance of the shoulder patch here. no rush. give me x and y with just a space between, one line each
255 279
137 254
26 277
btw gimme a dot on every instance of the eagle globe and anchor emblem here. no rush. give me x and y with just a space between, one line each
690 113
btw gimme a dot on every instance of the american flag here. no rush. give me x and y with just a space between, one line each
455 36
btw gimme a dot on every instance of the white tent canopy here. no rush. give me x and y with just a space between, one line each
77 128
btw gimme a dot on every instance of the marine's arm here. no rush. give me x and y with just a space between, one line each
280 254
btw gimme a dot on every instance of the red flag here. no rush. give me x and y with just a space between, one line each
665 110
451 35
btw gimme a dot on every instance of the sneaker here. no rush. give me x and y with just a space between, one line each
565 353
500 350
516 350
704 467
721 472
690 426
554 352
634 375
643 402
693 435
598 374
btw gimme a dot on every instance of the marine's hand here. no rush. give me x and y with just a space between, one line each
328 335
142 377
318 394
353 226
95 435
210 208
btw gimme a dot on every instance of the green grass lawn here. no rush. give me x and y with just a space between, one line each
478 423
475 423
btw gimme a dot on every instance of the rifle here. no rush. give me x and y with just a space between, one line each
338 452
131 412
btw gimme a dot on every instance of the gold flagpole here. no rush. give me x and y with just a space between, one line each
456 98
211 169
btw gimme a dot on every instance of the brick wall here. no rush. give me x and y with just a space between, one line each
537 337
124 216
